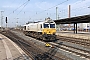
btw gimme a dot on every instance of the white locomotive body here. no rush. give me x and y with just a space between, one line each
44 30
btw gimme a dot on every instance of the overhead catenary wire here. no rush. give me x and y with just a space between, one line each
18 7
53 7
56 5
75 4
23 7
74 9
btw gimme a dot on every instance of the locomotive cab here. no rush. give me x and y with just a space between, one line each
49 30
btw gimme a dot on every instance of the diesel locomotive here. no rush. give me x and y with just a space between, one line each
45 30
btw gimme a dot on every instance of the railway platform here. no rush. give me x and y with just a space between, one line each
9 50
82 35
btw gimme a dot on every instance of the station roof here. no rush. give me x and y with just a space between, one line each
79 19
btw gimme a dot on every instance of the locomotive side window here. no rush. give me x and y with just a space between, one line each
52 25
46 25
24 27
41 25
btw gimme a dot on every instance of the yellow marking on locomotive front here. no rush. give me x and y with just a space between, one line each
49 30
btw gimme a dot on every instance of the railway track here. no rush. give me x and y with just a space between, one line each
77 51
74 50
20 43
31 50
71 49
83 42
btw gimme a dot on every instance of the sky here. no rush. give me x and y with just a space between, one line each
20 12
